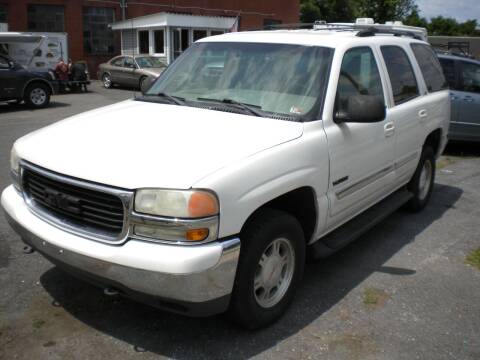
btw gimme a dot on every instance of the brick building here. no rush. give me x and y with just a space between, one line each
91 37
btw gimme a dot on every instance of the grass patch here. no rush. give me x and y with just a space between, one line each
473 258
375 297
444 161
38 323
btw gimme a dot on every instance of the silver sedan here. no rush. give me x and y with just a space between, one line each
137 71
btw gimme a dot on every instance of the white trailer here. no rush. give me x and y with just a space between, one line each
39 51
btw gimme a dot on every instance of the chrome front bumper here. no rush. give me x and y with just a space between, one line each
189 278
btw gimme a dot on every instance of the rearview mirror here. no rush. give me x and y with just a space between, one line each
360 109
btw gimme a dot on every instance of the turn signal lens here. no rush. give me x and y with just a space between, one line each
196 234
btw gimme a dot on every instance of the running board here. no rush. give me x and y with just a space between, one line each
359 225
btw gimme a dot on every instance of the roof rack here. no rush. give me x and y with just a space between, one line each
364 27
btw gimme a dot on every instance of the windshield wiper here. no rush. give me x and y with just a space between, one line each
250 108
177 100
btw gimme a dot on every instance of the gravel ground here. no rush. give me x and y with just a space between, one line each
402 291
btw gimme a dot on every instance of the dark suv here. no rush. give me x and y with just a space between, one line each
17 84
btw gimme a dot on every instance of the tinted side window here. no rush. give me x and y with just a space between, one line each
4 63
448 67
470 77
431 68
118 61
358 75
402 77
129 63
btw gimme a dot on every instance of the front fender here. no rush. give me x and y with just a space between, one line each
247 185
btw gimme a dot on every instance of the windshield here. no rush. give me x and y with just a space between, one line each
149 62
278 79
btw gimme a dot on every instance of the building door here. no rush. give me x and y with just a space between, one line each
180 41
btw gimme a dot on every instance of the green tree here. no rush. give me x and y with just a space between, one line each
386 10
309 11
329 10
414 19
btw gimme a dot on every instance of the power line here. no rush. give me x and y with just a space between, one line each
124 4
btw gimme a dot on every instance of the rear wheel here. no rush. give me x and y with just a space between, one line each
37 95
107 81
421 184
272 258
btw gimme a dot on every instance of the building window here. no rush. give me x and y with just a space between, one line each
217 32
97 36
159 41
270 23
199 34
143 42
3 13
49 18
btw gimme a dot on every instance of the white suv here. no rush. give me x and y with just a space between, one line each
246 156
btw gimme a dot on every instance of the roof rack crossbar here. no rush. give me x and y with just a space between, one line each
372 31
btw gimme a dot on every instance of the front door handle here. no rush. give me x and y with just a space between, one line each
422 114
468 99
389 129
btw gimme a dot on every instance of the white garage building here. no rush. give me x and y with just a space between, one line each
167 35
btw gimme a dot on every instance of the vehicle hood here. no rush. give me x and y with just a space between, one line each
136 144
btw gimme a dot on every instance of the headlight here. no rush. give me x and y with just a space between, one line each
14 161
15 169
176 203
180 216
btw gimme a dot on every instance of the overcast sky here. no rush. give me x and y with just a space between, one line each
459 9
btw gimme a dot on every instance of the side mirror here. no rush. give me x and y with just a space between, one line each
360 109
11 64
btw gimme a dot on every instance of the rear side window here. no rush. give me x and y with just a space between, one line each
448 67
402 77
431 68
117 61
470 77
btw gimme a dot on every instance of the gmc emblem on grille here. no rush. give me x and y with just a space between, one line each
62 201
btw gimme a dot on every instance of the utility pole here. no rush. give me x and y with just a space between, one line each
123 6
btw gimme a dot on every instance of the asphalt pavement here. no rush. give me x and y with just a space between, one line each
402 291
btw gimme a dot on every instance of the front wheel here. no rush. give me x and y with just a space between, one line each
37 95
107 81
143 84
421 184
272 258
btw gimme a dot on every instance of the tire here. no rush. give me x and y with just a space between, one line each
142 84
37 95
421 184
107 81
271 234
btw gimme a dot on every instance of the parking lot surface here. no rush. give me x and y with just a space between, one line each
402 291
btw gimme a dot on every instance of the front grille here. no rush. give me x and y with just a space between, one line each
86 209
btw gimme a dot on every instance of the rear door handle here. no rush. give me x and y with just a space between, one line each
468 99
389 129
